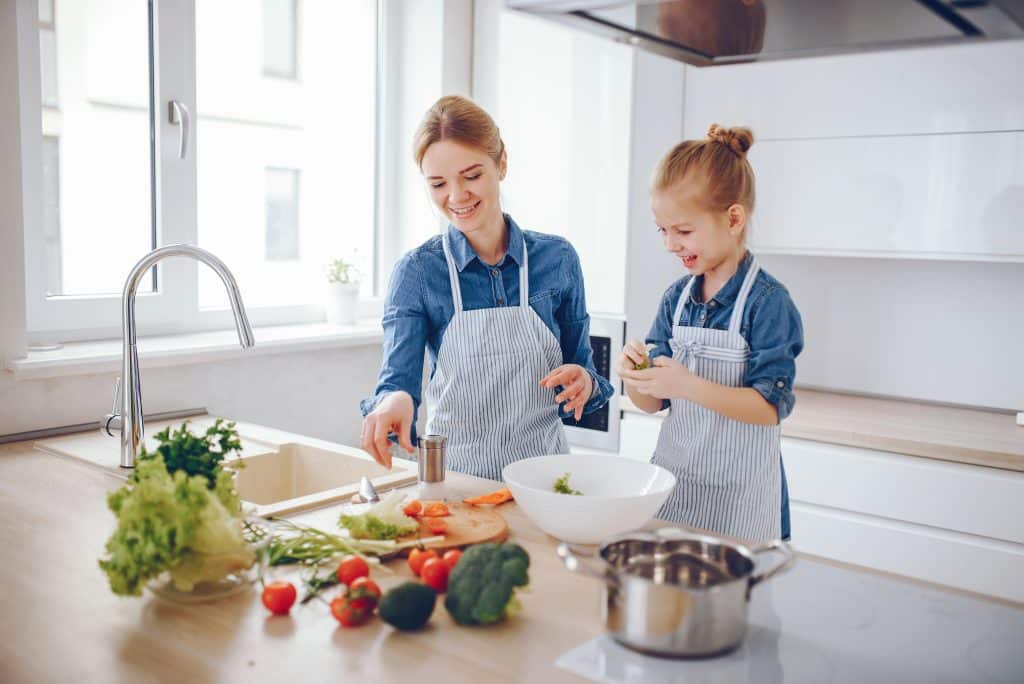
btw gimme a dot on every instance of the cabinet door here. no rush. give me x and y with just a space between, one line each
907 154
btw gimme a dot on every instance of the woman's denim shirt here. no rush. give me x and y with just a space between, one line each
771 326
419 305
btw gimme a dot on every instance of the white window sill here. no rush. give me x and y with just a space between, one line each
104 356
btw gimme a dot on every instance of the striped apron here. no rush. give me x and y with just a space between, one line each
484 395
728 476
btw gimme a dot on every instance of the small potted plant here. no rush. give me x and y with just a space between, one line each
342 292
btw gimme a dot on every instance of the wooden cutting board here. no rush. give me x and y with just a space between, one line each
467 525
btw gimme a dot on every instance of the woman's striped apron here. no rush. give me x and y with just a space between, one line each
728 477
484 395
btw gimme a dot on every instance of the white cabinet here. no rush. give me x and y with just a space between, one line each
909 154
948 523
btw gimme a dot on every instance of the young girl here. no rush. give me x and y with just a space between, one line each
722 347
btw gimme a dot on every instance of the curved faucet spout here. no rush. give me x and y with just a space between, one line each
130 413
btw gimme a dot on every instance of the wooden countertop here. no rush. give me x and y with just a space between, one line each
976 437
62 623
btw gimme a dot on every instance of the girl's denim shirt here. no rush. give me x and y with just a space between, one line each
770 324
419 305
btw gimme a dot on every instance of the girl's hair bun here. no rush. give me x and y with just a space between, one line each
738 139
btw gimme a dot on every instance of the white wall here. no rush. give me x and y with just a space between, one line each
310 393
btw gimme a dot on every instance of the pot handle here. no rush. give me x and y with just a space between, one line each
775 546
574 563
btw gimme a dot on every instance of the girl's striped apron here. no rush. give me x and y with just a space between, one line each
728 477
484 395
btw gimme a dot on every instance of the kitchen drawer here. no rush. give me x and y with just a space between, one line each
987 502
954 559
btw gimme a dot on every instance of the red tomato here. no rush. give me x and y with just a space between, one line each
363 587
417 557
413 508
451 557
351 613
352 567
435 575
278 597
435 525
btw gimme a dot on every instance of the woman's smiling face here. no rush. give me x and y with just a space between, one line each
463 183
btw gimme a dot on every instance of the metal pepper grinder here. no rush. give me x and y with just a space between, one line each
431 467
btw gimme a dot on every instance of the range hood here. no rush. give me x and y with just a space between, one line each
708 32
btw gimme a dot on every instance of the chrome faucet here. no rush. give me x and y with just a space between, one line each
127 412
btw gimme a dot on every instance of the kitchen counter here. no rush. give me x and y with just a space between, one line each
821 621
975 437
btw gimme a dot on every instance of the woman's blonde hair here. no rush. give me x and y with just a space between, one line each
458 118
719 163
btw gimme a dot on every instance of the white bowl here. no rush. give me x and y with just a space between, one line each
619 494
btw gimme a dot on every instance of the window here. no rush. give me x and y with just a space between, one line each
282 241
568 159
277 177
280 38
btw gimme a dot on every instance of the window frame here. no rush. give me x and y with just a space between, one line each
173 306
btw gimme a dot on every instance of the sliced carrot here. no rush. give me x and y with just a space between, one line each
435 525
500 496
413 508
436 509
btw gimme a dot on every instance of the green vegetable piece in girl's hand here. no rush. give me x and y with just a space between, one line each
646 363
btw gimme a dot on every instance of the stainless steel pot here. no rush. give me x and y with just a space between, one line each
683 595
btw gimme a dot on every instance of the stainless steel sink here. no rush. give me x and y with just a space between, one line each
280 472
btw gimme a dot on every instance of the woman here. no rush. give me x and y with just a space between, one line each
500 310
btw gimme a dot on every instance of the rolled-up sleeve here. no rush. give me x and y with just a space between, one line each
574 331
405 337
776 338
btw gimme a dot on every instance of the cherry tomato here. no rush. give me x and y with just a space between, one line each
435 575
278 597
435 525
413 508
417 557
451 557
363 587
351 613
352 567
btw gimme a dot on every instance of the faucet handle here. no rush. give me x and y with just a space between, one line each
115 412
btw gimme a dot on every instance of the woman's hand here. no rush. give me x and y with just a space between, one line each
666 379
393 414
577 386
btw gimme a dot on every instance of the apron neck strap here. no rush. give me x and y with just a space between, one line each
681 304
453 275
741 298
738 306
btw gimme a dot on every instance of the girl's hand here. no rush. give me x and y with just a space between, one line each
633 354
667 379
577 386
393 414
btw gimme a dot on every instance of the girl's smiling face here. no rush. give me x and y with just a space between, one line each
463 183
702 239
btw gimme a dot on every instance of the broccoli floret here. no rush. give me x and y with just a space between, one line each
481 587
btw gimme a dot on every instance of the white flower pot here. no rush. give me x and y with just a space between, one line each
342 303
